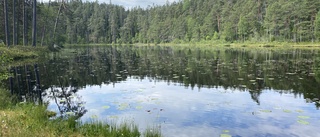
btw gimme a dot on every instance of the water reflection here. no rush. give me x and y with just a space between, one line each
295 71
186 90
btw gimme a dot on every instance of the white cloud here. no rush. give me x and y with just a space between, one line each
184 112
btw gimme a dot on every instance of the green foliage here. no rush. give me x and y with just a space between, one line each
317 27
186 20
4 59
20 52
2 44
215 36
6 99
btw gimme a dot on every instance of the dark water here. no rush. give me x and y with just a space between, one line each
184 91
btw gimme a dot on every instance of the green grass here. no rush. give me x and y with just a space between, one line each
30 120
246 44
22 52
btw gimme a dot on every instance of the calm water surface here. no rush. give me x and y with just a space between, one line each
187 92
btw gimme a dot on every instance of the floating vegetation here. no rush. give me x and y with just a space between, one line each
271 79
123 106
106 107
240 79
266 111
299 111
303 117
175 77
303 122
259 78
290 73
312 74
252 81
225 135
243 86
287 111
226 131
139 107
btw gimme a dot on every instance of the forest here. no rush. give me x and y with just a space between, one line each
185 21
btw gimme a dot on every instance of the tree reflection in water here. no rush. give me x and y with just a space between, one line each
286 71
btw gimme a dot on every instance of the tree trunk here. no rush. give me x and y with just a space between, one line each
34 23
14 20
57 19
6 22
25 29
44 26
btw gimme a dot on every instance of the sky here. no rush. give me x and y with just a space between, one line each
131 3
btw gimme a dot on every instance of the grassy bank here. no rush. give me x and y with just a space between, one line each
223 44
30 120
22 52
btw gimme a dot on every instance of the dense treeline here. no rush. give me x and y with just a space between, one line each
75 21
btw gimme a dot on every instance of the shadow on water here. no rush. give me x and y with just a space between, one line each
25 82
286 71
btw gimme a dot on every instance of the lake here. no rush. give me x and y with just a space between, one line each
182 91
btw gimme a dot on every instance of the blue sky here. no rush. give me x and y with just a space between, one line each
131 3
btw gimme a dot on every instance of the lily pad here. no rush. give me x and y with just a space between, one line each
299 111
175 77
243 86
259 78
303 122
123 106
225 135
240 79
266 111
106 107
226 131
287 111
252 81
271 79
303 117
139 107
